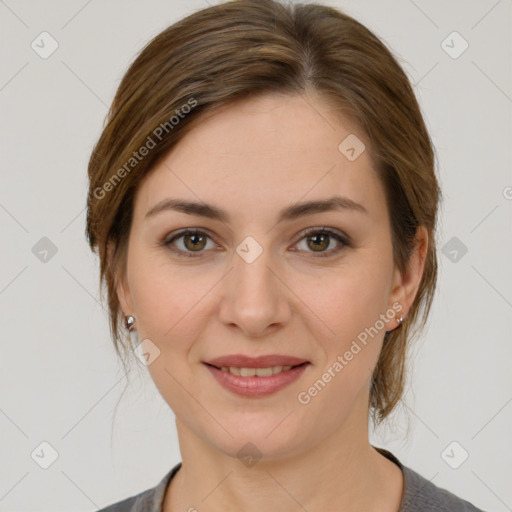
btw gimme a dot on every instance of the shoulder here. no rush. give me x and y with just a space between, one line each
126 505
422 495
150 500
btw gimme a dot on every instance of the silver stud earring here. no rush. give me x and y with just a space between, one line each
129 321
134 335
399 321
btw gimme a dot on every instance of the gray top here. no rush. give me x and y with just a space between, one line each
420 495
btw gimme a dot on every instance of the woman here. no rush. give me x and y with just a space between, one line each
263 200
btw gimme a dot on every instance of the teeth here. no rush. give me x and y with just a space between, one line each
264 372
251 372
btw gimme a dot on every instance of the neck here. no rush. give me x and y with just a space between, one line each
344 470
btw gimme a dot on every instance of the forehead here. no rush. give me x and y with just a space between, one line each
270 125
273 149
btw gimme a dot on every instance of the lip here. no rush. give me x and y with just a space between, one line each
265 361
255 387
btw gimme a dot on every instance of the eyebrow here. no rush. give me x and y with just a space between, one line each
289 213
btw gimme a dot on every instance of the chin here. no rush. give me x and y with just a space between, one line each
258 440
259 450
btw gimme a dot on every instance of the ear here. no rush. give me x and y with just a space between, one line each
405 285
121 285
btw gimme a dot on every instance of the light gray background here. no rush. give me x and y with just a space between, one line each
59 377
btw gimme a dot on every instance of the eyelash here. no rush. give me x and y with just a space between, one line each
309 232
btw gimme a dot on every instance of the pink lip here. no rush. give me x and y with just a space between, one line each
256 386
241 361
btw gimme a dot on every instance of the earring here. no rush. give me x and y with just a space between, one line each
129 321
134 335
399 321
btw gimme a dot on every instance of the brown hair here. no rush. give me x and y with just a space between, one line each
240 48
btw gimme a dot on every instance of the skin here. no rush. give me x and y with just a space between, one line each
252 159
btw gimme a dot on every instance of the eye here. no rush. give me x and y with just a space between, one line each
319 240
194 241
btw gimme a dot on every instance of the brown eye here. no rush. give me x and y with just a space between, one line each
189 243
194 241
319 240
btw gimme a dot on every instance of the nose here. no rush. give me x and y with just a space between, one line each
255 297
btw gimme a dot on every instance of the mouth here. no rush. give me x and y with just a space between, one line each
256 377
264 361
268 371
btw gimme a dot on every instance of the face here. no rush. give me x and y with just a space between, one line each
308 284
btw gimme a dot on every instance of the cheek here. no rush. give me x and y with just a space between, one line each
349 305
171 301
348 300
171 307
